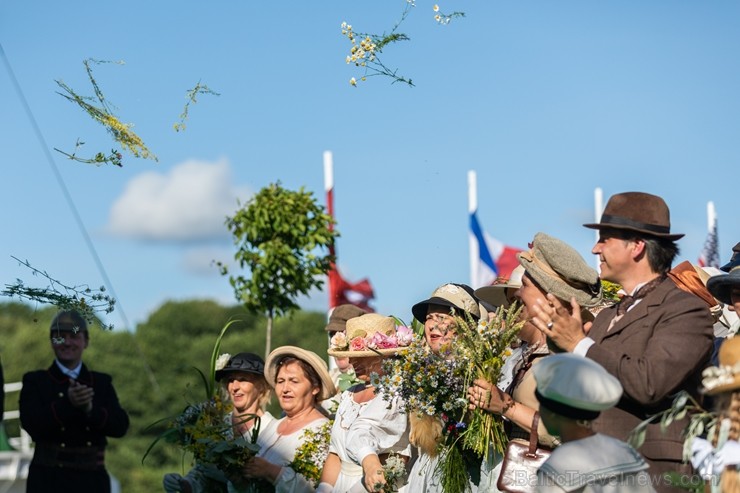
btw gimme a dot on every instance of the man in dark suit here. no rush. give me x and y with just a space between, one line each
69 411
656 340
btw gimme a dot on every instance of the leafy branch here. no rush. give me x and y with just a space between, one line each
103 114
81 298
191 97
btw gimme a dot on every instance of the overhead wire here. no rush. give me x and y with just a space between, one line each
70 202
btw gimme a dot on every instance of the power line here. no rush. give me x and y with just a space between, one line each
70 202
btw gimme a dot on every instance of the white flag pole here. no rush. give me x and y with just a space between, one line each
598 209
711 216
472 207
329 189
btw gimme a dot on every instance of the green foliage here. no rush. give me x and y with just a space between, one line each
175 339
81 298
280 235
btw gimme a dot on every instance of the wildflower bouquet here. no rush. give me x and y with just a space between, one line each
205 429
432 389
311 455
485 345
394 471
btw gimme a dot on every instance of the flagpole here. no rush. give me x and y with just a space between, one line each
329 188
472 207
711 216
598 209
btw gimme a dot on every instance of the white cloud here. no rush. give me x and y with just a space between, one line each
190 203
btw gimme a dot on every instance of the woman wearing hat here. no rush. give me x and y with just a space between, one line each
301 381
368 424
242 377
437 313
573 391
550 266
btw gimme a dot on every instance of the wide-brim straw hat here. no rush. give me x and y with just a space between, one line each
366 326
637 211
721 286
560 270
726 376
319 365
495 294
459 297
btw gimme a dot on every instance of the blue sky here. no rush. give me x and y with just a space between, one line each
545 100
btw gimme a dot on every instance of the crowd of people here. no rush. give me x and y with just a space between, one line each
585 372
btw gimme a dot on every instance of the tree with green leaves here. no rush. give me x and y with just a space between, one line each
283 238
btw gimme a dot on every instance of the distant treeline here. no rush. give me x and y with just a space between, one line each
153 368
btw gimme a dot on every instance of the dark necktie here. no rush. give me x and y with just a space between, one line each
627 300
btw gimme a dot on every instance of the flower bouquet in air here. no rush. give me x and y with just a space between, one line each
432 389
485 345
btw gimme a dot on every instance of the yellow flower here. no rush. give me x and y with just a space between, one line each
435 8
438 18
353 81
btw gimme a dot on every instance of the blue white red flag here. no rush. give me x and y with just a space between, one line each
494 259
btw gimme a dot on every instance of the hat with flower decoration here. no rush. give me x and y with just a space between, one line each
370 335
241 362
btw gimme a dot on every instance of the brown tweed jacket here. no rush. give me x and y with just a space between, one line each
656 349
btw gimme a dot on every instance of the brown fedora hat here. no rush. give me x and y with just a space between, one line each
637 211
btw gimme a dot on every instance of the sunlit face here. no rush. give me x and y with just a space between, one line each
294 390
365 367
615 255
68 346
244 389
439 327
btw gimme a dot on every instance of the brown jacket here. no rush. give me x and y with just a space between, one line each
656 349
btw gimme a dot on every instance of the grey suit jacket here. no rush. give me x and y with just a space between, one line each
656 349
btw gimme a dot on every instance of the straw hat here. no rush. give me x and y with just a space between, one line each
574 386
495 294
726 376
370 335
319 365
460 297
559 269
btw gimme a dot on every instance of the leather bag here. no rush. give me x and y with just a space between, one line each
521 461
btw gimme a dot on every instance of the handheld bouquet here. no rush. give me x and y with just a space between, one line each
485 345
205 429
311 455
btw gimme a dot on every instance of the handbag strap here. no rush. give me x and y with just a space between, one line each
533 435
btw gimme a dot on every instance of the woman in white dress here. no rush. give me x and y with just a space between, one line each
368 426
301 381
243 378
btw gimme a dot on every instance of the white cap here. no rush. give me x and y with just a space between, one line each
574 386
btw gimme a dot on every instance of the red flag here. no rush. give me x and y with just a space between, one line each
342 292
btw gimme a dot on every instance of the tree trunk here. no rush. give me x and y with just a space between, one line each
268 336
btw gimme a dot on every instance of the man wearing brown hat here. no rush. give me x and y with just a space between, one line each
69 411
656 341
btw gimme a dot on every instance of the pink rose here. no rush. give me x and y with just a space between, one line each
404 335
357 344
382 341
